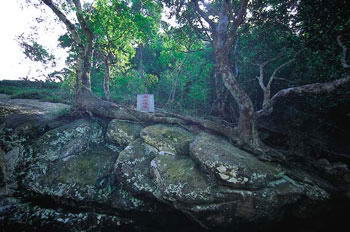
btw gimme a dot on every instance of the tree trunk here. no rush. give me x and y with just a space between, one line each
140 65
267 96
84 64
218 107
106 79
246 127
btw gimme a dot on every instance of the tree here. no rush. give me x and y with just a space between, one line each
220 22
81 35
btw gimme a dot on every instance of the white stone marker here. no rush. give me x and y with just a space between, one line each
145 102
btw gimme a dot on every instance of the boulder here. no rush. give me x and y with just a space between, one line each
25 119
63 162
180 181
167 139
73 163
16 112
231 165
123 132
133 169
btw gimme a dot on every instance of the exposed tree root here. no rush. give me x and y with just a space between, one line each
91 103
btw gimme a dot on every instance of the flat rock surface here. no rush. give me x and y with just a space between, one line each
167 139
231 165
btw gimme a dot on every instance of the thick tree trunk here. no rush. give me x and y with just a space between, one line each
246 127
218 107
106 79
84 64
267 97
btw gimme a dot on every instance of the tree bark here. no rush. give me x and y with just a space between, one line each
106 79
316 88
85 48
224 37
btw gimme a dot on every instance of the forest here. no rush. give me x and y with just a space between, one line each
265 78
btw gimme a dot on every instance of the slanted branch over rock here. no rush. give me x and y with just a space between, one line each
87 101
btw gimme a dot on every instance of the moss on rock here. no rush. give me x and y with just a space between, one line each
133 168
123 132
231 165
168 139
179 180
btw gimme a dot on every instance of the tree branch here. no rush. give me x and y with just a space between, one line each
261 77
204 15
70 26
272 77
81 19
316 88
344 51
239 16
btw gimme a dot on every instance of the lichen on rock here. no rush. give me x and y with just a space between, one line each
231 165
133 168
123 132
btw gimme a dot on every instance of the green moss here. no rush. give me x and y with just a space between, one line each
123 132
88 167
169 139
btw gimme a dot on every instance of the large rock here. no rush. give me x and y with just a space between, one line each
62 166
73 163
123 132
16 112
248 190
209 198
167 139
25 119
179 180
133 168
231 165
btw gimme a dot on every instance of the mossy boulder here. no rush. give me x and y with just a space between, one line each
179 180
66 141
168 139
133 168
231 165
67 162
123 132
